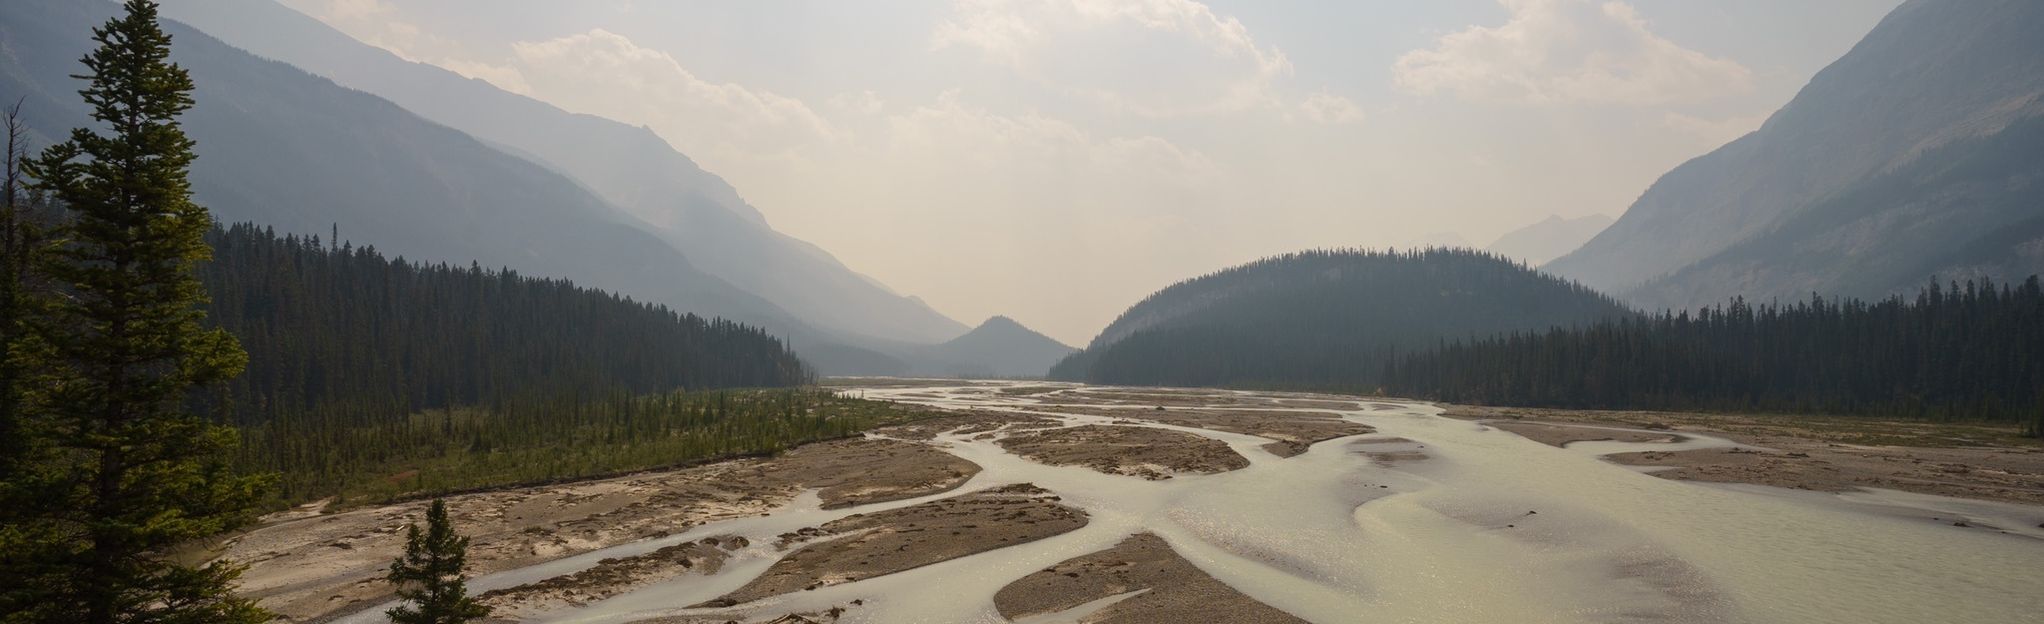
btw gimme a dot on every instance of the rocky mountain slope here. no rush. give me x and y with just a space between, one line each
1912 156
628 166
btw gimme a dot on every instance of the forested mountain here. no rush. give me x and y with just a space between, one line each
341 330
1914 155
1326 319
283 148
999 347
628 166
1955 352
342 340
1548 239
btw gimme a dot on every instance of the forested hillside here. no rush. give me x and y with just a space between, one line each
345 346
339 328
1324 319
280 147
1974 351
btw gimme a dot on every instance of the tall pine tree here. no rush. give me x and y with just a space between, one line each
428 575
130 471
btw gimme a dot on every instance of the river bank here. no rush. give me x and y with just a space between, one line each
1825 454
1056 502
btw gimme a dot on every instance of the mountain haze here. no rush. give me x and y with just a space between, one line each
1548 239
999 347
628 166
284 148
1846 190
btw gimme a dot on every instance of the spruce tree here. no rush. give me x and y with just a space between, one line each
25 543
429 574
131 471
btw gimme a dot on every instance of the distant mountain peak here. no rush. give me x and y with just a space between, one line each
1000 322
1548 238
1001 327
1000 347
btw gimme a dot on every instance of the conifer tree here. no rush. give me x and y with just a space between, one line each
24 543
131 471
17 236
429 574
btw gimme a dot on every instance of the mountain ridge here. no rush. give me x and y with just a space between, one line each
998 347
628 165
1930 74
1549 238
285 148
1324 319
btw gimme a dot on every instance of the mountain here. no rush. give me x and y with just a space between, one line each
1969 210
1914 155
628 166
1550 238
284 148
1325 319
999 347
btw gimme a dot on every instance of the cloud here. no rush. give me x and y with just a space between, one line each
971 137
604 73
504 77
864 102
1147 57
1328 108
356 9
1567 51
377 23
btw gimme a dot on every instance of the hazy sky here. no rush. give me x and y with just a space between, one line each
1057 160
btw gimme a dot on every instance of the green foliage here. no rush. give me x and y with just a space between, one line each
22 220
539 438
364 367
1972 352
1324 319
117 468
340 332
429 574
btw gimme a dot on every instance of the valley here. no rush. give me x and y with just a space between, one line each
355 311
1155 504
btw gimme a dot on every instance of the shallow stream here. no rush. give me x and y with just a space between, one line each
1487 527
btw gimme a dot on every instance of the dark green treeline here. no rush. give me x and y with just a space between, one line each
1325 319
533 439
1972 351
347 347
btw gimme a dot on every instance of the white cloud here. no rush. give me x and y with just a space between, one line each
1568 51
378 23
1328 108
864 102
967 136
504 77
356 9
1145 57
604 73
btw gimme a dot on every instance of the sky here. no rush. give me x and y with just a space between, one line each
1057 160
